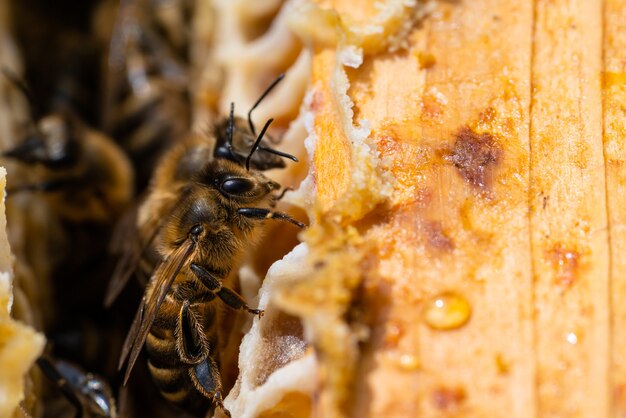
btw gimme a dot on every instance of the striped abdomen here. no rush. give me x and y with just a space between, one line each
171 374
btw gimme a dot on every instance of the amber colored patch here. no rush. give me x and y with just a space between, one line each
566 263
448 399
502 365
432 106
408 362
332 158
317 102
447 311
475 156
387 145
426 60
393 332
611 79
488 115
437 238
619 396
292 405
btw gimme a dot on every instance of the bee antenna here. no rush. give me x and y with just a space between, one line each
279 153
231 124
257 142
260 99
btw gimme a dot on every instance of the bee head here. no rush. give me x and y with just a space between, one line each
52 140
242 142
213 196
236 185
237 139
54 143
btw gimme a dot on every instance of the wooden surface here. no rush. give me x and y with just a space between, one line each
614 114
569 237
508 158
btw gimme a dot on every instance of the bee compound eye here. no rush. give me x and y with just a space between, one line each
196 230
236 185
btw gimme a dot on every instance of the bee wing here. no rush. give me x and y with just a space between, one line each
118 39
125 20
132 334
127 248
132 242
153 298
126 242
125 226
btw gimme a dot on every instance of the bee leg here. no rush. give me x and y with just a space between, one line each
190 338
228 296
52 373
259 213
235 301
194 349
206 379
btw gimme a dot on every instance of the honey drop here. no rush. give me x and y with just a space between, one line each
447 311
572 338
409 362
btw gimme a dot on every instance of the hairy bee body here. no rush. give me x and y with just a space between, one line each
171 375
219 252
172 370
86 176
201 216
101 180
206 206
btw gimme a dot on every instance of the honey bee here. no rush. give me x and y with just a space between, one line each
86 176
147 103
206 206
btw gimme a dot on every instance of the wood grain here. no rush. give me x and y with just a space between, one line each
615 157
568 211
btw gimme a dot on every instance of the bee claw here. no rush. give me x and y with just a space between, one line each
218 401
258 312
217 398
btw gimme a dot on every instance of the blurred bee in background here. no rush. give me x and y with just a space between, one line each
86 177
206 205
147 104
86 182
67 182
